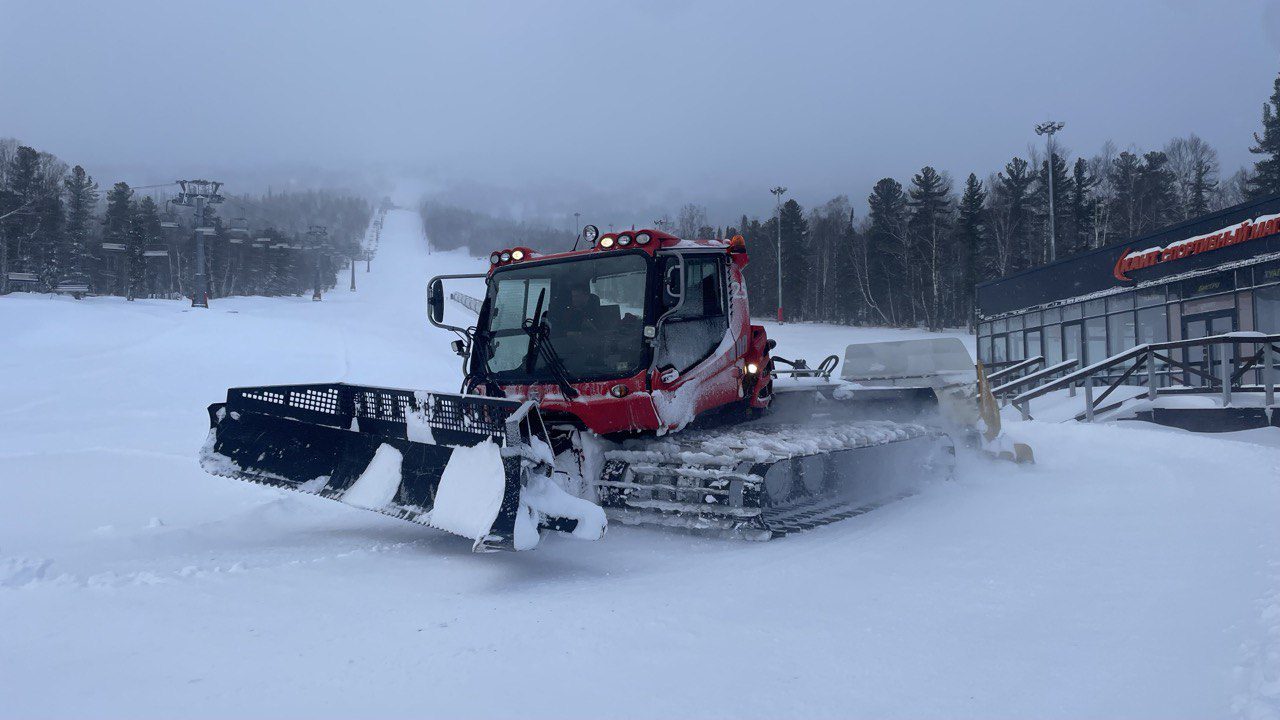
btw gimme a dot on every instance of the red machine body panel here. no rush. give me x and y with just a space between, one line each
654 401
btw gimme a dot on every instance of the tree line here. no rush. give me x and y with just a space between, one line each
915 256
60 231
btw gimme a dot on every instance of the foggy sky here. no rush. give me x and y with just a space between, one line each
533 105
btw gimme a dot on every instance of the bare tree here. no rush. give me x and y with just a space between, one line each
1104 192
691 218
1194 163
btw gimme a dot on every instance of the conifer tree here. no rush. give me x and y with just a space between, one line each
970 237
930 227
797 260
1265 181
1061 207
144 230
888 257
1157 192
81 200
1126 202
117 226
1080 201
1010 216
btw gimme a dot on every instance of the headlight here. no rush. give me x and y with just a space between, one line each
624 240
517 254
606 243
752 368
643 238
505 256
494 259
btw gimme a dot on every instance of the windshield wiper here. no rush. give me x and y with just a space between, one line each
540 346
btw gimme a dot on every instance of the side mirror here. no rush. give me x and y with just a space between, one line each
435 300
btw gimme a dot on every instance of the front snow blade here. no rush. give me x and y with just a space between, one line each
458 463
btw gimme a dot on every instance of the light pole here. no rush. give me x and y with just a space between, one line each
778 192
1048 129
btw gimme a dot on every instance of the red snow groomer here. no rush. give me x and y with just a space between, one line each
625 379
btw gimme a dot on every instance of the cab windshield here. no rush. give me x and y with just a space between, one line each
594 313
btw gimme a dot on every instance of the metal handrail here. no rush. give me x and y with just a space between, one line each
1021 365
1037 375
1146 355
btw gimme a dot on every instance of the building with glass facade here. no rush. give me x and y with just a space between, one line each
1211 275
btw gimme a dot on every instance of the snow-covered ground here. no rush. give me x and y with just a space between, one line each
1132 572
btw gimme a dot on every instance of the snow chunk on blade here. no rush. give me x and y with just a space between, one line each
377 485
470 493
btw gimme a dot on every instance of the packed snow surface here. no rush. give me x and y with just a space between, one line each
1133 572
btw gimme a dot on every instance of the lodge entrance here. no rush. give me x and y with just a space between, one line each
1219 322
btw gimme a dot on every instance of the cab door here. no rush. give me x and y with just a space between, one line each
693 362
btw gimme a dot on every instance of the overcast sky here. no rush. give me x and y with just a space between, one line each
668 101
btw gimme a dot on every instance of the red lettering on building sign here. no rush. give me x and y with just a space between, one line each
1247 230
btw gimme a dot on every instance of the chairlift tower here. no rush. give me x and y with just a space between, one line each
199 194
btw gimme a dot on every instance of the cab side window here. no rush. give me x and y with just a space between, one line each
697 328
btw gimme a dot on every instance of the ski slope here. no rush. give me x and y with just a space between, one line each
1134 572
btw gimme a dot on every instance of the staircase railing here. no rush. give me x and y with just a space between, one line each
1007 373
1141 362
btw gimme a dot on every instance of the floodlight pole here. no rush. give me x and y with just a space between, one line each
778 192
1048 129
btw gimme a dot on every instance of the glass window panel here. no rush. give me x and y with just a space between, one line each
1052 344
984 348
1269 273
1197 287
1015 322
1152 326
1015 345
1244 309
1052 316
1266 309
1072 312
1244 277
1072 340
1149 296
999 349
1033 344
1000 325
1216 303
1174 290
1095 340
1123 301
984 328
1033 319
1121 334
1095 307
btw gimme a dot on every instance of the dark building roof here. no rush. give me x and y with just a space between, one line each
1094 271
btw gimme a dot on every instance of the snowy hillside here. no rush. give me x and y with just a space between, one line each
1133 572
